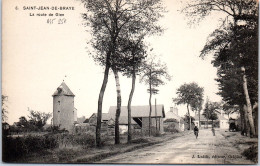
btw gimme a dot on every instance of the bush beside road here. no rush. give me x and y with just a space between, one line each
76 148
246 145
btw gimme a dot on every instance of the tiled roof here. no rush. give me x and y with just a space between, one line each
171 115
86 121
139 111
122 119
63 90
105 116
171 120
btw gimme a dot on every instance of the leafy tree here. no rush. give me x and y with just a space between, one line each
23 122
230 109
197 10
135 53
238 68
154 74
190 94
197 107
210 111
188 120
4 111
38 118
110 21
236 44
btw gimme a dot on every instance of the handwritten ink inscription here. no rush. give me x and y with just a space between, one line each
58 21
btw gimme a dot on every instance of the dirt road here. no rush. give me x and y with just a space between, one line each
207 149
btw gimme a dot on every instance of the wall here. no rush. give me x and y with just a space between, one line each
63 112
224 124
75 115
145 124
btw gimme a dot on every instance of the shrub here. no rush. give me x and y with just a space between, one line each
171 128
140 140
251 153
15 148
71 140
157 134
137 132
85 140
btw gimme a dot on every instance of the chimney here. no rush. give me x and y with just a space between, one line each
175 110
171 109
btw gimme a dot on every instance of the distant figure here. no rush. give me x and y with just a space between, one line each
196 131
213 131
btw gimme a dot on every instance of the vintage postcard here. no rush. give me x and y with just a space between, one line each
130 81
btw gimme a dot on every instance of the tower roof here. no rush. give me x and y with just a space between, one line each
63 90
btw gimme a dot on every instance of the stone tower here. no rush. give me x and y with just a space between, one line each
63 107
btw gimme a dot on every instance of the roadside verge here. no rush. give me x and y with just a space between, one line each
124 148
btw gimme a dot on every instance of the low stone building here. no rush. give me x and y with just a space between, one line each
173 119
108 123
139 121
140 117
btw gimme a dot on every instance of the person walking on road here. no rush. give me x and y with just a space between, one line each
196 131
213 131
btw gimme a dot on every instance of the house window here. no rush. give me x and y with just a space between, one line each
58 111
59 102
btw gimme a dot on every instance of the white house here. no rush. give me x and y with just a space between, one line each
221 122
173 115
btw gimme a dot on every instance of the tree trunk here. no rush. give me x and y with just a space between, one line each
248 103
207 123
242 118
255 110
189 116
155 116
247 126
199 118
118 109
129 137
100 101
150 104
212 123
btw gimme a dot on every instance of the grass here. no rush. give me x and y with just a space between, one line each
81 148
246 145
251 153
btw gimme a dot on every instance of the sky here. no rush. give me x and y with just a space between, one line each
38 56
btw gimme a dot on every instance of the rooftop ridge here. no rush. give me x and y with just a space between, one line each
63 90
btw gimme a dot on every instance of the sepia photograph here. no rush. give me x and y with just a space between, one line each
130 82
